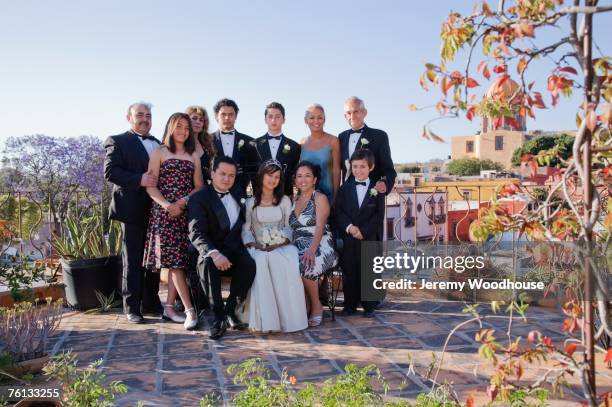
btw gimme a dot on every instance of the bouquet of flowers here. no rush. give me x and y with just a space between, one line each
272 236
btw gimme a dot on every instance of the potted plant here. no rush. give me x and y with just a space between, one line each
89 260
25 329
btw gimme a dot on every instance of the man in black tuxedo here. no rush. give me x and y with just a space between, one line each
126 164
216 215
362 136
231 143
275 145
360 209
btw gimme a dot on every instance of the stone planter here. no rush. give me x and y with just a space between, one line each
31 366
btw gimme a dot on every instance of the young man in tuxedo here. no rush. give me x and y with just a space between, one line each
359 210
275 145
362 136
126 164
216 215
231 143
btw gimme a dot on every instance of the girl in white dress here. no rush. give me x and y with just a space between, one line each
276 299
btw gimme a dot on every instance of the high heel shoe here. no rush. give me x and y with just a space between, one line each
191 322
171 315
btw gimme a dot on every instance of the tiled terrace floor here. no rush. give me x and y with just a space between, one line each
164 365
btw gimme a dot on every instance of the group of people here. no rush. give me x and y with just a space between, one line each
260 210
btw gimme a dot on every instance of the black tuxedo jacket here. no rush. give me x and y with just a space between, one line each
209 225
288 154
245 155
368 217
377 142
126 160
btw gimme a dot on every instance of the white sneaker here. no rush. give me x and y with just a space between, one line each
191 322
171 315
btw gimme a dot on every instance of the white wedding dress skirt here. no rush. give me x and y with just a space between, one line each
276 300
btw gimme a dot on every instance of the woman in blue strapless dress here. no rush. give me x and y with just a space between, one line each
322 149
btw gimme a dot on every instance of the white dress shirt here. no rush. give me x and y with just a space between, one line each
232 208
362 190
274 143
353 139
148 144
227 141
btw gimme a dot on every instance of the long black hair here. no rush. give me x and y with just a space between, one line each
269 167
168 140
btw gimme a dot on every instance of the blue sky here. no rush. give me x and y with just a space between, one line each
71 68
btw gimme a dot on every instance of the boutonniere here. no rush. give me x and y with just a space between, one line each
286 148
242 201
240 144
373 192
364 141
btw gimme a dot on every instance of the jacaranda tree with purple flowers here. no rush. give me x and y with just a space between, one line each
53 169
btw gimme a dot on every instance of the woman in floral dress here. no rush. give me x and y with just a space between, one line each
311 235
177 168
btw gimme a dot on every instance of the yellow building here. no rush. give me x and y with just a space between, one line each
472 190
495 143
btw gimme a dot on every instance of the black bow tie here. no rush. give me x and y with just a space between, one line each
360 183
146 137
269 137
222 194
228 132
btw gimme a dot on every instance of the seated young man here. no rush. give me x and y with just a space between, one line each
216 215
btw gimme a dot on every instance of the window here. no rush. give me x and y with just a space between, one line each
499 143
409 208
469 146
441 207
466 195
390 231
419 207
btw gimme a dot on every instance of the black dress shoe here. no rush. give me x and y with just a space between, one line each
369 313
347 312
218 329
135 318
156 309
235 323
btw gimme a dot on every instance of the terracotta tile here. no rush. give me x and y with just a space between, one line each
229 357
86 343
437 341
129 351
132 338
179 362
136 381
331 335
189 381
116 366
308 369
395 343
195 347
379 331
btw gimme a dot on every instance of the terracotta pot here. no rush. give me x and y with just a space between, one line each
55 291
31 402
30 366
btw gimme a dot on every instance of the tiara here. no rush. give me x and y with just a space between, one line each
272 162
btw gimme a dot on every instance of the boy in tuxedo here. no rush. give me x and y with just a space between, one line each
276 146
359 210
